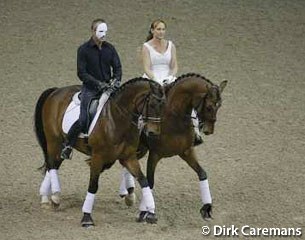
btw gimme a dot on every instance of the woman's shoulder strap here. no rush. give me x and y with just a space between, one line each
146 44
170 44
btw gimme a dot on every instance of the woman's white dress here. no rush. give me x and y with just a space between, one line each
160 66
160 63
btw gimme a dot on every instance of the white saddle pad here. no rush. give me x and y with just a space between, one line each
73 111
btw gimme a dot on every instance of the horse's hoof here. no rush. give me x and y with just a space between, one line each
130 199
151 218
85 225
87 221
45 202
148 217
141 217
206 212
55 200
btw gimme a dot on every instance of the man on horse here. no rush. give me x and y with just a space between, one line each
99 68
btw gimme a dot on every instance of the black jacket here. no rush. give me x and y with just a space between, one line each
94 65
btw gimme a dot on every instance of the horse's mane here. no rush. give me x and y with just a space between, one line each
183 77
128 83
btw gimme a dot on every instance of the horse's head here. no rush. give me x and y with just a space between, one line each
208 106
151 109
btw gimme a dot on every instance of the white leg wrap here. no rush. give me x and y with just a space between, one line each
126 182
147 202
123 190
45 187
205 192
195 122
55 184
129 179
44 199
88 204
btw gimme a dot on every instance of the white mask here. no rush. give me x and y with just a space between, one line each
101 30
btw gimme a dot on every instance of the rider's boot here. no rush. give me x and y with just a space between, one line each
75 130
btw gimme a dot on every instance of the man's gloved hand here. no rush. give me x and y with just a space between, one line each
115 84
101 86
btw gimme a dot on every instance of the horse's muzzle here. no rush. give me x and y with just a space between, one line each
208 129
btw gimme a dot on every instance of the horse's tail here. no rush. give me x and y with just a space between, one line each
38 123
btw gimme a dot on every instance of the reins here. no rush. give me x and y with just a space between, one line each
146 118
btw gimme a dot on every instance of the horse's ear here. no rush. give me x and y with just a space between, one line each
222 85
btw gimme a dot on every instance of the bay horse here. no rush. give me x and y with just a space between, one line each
188 92
115 136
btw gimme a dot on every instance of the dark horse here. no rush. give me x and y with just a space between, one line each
115 136
188 92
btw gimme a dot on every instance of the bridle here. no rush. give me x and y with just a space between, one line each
145 108
201 104
198 109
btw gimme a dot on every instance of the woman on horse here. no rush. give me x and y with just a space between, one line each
160 62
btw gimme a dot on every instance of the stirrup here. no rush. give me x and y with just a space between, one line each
66 152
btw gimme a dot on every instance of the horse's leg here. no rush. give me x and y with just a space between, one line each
51 183
127 185
50 186
147 205
152 162
45 191
127 188
95 169
190 157
142 148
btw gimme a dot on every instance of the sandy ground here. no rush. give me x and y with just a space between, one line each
255 159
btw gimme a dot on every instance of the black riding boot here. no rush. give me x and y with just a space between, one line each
75 130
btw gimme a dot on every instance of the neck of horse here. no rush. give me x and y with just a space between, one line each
124 105
184 96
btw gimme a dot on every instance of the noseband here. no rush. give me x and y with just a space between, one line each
145 108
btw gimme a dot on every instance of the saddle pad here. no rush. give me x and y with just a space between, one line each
73 110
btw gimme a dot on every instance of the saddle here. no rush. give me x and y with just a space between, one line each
73 110
91 111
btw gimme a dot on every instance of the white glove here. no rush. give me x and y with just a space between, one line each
169 79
